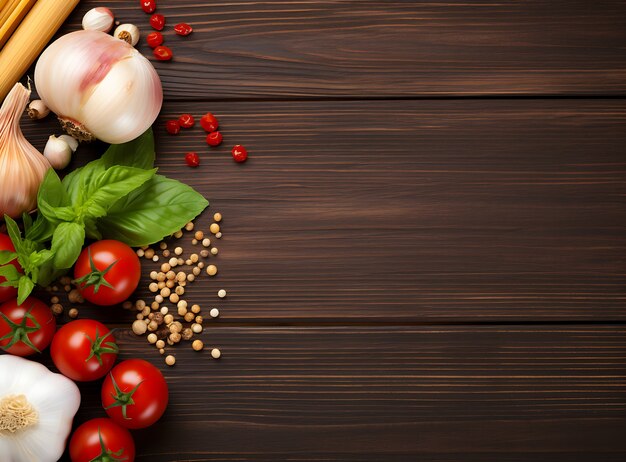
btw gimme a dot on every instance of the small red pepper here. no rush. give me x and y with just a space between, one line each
186 121
240 154
172 127
148 6
183 29
157 21
163 53
154 39
209 122
192 159
214 139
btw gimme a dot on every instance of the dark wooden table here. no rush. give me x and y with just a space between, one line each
425 253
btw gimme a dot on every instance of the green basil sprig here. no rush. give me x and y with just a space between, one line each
118 196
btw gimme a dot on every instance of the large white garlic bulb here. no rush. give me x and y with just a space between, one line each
36 411
99 86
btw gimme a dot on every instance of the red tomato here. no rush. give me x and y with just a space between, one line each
84 350
134 394
101 439
107 272
154 39
7 293
27 328
209 122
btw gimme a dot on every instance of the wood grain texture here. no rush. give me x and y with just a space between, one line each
431 393
308 49
411 211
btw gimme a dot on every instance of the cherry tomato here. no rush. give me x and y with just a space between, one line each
7 293
209 122
192 159
172 127
183 29
148 6
135 394
84 350
240 154
163 53
107 272
102 440
27 328
214 139
157 21
186 121
154 39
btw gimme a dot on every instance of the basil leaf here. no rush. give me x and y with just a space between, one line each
24 289
41 230
67 242
14 232
56 214
52 190
115 183
6 256
138 153
11 274
28 222
159 208
79 183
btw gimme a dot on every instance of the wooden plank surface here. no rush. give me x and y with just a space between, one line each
367 48
391 393
429 211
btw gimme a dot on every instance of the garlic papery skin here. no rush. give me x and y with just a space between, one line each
100 19
58 152
71 142
37 408
127 32
99 86
22 167
37 110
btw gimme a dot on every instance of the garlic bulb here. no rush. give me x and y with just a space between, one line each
58 152
100 19
127 32
37 110
71 142
36 411
22 167
99 86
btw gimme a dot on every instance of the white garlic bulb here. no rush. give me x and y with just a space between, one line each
22 167
58 152
127 32
99 87
98 19
71 142
37 110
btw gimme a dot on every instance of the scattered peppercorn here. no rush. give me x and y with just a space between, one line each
217 217
215 353
73 313
221 293
170 360
197 345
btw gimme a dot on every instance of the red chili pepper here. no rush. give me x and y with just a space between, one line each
157 21
183 29
214 139
186 121
192 159
209 122
163 53
240 154
154 39
172 127
149 6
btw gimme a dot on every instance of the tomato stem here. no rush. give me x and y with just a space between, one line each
96 277
19 332
121 398
105 454
98 347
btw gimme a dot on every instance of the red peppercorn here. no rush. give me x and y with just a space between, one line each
172 127
163 53
192 159
209 122
183 29
157 21
240 154
214 139
149 6
186 121
154 39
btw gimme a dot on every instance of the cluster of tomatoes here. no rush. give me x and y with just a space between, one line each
134 393
155 39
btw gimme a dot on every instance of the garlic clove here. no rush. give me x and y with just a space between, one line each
127 32
58 152
37 110
100 19
72 142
